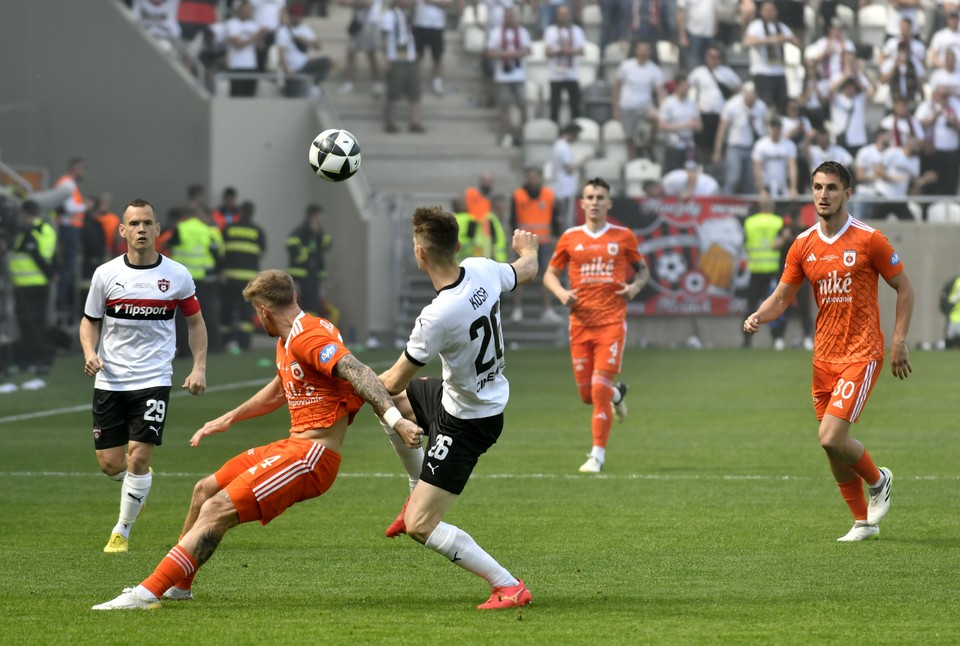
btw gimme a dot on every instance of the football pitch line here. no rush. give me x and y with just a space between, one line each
496 476
79 408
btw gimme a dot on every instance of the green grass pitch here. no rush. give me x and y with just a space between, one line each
714 522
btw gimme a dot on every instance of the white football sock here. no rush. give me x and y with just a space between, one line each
599 452
132 498
411 459
459 547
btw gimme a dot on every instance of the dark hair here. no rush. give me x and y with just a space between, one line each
571 129
74 161
836 169
229 192
246 209
314 209
597 182
194 190
30 207
436 230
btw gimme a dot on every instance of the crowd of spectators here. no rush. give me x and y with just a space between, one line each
703 83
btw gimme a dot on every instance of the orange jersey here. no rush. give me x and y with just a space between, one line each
305 364
843 271
597 265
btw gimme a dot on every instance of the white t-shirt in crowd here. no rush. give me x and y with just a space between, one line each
774 158
510 70
674 111
739 117
902 128
868 158
564 183
701 17
267 12
638 83
833 50
676 182
760 61
429 15
562 67
241 58
158 17
894 16
291 53
706 90
897 164
945 137
399 45
817 155
941 77
944 40
918 51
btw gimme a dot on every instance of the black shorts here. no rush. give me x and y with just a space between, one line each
424 37
455 444
122 416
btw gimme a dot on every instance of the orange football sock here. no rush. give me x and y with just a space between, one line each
175 566
602 395
852 492
866 469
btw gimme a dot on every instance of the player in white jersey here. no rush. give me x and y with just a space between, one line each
463 413
129 311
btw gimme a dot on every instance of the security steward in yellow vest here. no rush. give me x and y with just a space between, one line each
244 244
950 305
307 247
482 236
31 264
198 246
761 232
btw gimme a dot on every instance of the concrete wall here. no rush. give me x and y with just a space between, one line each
931 255
91 85
260 147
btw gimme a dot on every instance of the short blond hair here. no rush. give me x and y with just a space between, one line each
271 287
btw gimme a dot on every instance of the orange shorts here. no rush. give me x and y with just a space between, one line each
266 480
596 348
842 389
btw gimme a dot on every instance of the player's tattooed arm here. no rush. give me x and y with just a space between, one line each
365 383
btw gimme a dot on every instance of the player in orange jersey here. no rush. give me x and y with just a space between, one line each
842 258
324 386
596 256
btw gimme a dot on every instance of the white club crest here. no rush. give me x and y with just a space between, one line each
849 258
612 248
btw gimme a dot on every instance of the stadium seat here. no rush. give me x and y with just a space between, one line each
944 212
548 172
474 39
468 17
614 141
539 135
872 20
669 55
536 99
809 23
609 170
589 63
538 50
592 22
483 14
638 171
537 69
613 54
589 140
846 17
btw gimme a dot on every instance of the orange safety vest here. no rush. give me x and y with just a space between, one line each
535 215
477 205
76 218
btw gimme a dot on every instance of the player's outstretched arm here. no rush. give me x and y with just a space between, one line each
196 381
775 305
525 244
369 388
268 399
89 335
899 352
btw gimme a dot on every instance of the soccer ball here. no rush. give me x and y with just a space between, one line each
334 155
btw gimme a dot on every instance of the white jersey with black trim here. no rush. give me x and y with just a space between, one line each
136 306
462 327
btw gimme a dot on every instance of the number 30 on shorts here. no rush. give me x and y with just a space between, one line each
441 447
844 388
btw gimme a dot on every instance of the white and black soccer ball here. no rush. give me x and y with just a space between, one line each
334 155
